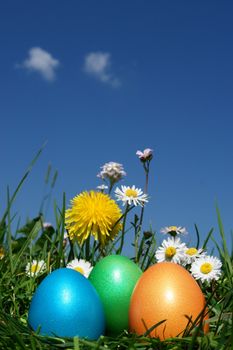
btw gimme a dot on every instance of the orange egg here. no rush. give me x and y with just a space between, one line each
165 291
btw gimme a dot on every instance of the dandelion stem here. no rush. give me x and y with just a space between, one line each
87 247
71 252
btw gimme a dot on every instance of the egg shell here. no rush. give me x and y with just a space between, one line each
66 304
114 278
165 291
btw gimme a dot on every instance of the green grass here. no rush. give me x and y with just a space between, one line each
30 241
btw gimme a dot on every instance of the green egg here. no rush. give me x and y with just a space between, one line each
114 277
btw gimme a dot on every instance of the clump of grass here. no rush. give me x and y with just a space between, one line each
33 240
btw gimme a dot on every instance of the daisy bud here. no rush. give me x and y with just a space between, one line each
147 154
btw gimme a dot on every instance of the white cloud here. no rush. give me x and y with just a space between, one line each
42 62
98 64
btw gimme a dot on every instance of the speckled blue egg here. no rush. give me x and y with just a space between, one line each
66 304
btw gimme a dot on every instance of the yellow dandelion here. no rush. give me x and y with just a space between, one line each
93 213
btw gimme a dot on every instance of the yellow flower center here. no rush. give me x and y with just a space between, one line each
35 268
172 228
170 252
206 268
79 269
191 251
131 193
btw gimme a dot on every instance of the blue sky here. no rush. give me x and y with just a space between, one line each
100 80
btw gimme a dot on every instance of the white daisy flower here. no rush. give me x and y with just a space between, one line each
130 195
102 187
191 254
112 171
171 250
174 230
80 265
35 268
206 268
145 155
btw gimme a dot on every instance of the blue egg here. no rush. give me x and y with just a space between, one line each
66 304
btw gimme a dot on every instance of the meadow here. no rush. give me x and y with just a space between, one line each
23 246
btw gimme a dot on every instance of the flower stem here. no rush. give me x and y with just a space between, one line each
111 184
123 229
71 252
87 248
146 167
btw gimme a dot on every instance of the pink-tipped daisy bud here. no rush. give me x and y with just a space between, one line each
147 154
